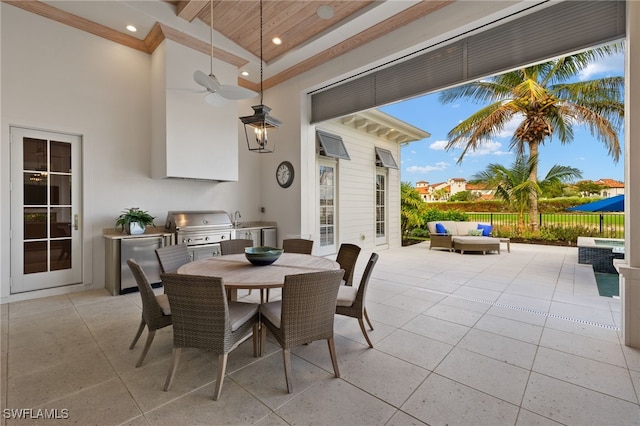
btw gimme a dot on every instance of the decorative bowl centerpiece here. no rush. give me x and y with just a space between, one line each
262 256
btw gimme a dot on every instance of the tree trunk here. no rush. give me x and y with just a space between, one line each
533 194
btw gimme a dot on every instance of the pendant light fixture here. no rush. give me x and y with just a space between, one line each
260 128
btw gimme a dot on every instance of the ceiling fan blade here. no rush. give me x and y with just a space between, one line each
214 99
236 92
207 81
180 89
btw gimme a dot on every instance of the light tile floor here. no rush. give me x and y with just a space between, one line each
501 339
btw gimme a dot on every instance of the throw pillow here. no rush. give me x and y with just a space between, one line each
440 229
486 229
475 232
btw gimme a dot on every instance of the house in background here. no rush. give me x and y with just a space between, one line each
611 187
443 191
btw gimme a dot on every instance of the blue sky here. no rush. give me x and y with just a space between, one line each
427 160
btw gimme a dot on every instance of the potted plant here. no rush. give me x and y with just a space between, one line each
134 221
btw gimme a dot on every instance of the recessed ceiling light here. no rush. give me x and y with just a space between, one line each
277 41
132 28
325 12
245 73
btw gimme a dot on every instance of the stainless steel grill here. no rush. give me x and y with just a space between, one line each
201 231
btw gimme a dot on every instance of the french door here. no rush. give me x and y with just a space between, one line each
327 207
381 207
46 244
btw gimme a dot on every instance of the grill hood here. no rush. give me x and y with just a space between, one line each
191 220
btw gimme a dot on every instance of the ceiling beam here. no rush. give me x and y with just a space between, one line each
388 25
190 9
80 23
199 45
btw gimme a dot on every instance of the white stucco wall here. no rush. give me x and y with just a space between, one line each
63 79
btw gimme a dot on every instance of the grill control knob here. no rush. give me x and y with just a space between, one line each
206 238
188 240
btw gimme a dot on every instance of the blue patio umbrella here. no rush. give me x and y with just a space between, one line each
611 204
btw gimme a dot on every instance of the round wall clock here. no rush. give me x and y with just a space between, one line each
284 174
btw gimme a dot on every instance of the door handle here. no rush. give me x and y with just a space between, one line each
76 220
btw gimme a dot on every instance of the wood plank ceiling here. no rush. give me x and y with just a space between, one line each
295 22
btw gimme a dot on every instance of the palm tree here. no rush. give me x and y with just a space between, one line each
412 208
547 104
514 185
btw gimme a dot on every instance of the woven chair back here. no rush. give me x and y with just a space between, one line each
364 282
235 246
297 245
151 310
172 257
309 306
200 312
347 258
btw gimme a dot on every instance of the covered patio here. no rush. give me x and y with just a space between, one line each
509 339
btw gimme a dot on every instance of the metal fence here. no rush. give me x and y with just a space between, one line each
606 225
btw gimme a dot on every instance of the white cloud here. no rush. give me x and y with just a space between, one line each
510 127
413 151
438 145
426 169
485 148
611 65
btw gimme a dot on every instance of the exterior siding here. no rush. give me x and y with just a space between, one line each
356 189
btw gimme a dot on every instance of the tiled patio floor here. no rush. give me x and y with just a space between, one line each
502 339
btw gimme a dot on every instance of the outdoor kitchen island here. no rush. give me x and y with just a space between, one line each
201 231
120 246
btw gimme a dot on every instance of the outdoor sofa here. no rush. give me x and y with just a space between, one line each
462 236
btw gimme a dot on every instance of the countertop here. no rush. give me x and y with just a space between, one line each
116 234
256 224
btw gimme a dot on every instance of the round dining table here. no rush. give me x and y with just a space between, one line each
238 273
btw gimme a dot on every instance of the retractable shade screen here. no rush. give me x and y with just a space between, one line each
384 158
332 145
547 30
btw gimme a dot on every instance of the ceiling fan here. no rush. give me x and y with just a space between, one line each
218 93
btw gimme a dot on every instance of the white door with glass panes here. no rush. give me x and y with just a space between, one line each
381 207
327 212
46 243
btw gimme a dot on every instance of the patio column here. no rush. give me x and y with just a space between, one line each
629 268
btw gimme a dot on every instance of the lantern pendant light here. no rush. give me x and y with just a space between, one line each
260 128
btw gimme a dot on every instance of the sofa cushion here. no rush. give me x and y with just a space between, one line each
440 229
466 239
463 228
449 225
475 232
486 229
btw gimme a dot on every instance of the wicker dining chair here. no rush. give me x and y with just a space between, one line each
303 315
156 312
297 245
347 258
235 246
351 299
204 319
172 257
